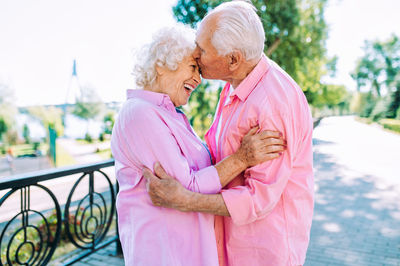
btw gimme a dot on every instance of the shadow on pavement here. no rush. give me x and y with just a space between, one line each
356 220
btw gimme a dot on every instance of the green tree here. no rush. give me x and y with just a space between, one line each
331 96
49 117
8 111
3 126
26 134
369 70
380 108
379 69
109 120
88 107
363 103
390 51
108 124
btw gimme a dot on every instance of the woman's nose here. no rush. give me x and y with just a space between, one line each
196 77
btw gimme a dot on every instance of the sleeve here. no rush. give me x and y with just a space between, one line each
264 183
151 140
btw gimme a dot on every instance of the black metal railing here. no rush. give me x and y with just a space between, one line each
38 216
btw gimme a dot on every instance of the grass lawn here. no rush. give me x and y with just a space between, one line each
392 125
63 157
105 154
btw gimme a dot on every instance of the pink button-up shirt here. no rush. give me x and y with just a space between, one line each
271 205
149 129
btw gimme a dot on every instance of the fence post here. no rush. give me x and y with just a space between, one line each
52 144
119 247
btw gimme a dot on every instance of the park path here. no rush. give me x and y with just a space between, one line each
82 153
357 200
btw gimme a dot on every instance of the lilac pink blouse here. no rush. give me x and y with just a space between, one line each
149 129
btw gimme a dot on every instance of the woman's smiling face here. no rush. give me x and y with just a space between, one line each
180 83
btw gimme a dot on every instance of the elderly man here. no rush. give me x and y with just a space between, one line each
263 217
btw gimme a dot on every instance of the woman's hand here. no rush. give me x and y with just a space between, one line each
260 147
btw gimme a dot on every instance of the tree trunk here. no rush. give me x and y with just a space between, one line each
377 87
273 47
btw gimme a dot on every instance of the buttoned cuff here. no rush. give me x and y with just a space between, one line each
238 202
207 180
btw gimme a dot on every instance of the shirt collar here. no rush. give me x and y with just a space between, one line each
159 99
250 82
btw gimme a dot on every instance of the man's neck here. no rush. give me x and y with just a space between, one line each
242 72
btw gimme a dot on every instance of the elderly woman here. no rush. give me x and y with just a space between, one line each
150 129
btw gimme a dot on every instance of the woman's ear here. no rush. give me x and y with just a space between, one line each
235 59
160 70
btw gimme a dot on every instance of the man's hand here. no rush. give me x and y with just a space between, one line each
164 190
260 147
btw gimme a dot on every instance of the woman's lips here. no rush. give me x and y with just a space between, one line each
189 87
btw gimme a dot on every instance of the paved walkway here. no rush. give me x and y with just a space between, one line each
83 153
23 165
103 257
357 200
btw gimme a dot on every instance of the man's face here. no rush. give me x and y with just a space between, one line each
212 65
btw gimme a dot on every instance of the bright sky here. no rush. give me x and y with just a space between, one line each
40 38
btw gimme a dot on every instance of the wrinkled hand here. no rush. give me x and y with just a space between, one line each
260 147
164 190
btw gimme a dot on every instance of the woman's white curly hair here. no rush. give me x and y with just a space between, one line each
168 47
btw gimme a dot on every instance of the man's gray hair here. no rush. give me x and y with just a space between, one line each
167 49
238 27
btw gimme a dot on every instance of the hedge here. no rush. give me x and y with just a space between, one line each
392 124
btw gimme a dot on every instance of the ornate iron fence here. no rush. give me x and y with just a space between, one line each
30 230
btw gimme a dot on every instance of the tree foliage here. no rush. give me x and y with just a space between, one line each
109 120
49 117
26 134
201 107
379 71
331 96
89 105
8 110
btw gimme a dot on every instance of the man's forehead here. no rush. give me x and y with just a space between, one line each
200 30
200 36
207 25
205 29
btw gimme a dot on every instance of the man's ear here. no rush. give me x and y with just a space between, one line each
235 59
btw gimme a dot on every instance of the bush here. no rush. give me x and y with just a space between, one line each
380 109
88 138
398 113
392 124
101 137
394 105
367 109
363 104
26 134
